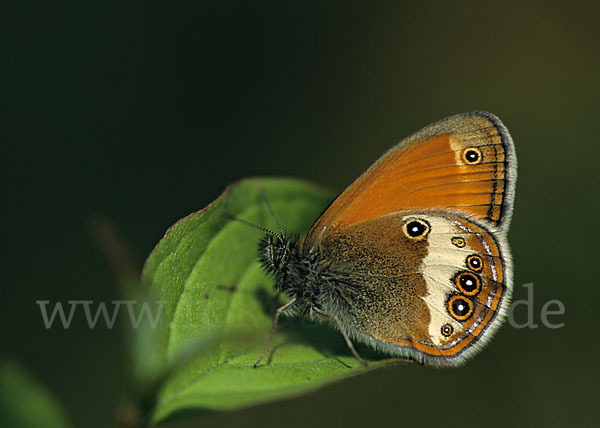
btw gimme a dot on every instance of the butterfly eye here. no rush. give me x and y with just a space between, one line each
460 308
447 330
416 229
458 242
472 156
468 283
474 262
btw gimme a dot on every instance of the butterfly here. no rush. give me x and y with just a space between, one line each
412 258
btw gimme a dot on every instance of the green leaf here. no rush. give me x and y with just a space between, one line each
24 402
219 304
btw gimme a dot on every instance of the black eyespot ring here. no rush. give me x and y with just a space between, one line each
460 308
475 262
447 330
459 242
472 156
416 228
468 283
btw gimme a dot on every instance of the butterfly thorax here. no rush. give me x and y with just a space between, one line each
300 274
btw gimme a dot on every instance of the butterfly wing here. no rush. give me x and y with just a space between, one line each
464 163
430 285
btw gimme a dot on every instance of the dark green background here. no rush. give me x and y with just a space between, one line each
144 111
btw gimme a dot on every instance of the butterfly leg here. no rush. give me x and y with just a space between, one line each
273 327
342 330
400 360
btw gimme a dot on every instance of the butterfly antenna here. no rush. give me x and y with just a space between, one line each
228 216
264 195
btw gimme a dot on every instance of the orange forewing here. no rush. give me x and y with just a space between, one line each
429 170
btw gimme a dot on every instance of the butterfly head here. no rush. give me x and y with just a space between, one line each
273 251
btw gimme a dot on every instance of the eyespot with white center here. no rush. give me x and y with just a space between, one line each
472 156
415 228
467 283
474 262
447 330
460 308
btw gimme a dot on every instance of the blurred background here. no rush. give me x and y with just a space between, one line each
145 111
